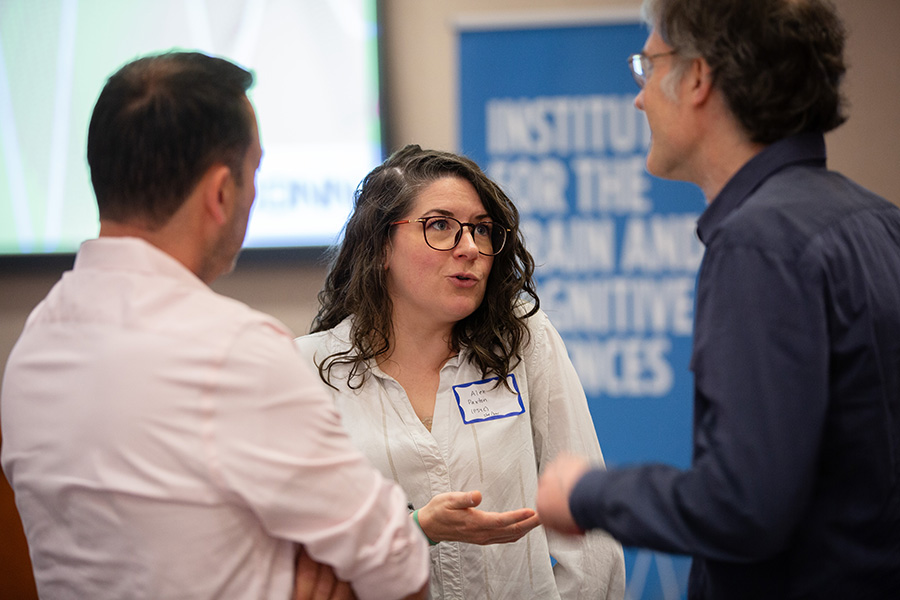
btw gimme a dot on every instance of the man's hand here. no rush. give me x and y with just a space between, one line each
315 581
452 517
554 488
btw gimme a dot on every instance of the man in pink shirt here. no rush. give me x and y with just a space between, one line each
164 441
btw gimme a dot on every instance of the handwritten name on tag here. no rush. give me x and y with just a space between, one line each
485 400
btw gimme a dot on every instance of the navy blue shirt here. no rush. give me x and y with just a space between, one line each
794 487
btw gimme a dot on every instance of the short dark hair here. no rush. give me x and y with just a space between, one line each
779 63
160 122
356 285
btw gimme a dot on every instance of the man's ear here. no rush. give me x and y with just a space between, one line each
217 190
701 80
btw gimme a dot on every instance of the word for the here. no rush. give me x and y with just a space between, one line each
602 185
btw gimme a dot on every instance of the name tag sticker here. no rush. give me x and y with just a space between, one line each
485 400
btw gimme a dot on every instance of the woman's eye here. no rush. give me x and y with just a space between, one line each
439 224
483 229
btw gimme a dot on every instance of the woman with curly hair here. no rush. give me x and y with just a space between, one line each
452 380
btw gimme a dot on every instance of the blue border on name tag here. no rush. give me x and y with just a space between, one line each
462 412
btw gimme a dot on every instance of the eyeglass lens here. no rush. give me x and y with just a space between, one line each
444 233
636 62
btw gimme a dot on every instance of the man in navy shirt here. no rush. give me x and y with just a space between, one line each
794 487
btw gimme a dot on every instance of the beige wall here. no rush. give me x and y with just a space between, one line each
421 71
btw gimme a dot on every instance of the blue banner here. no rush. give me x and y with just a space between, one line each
548 111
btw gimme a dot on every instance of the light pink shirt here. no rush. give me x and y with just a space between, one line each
167 442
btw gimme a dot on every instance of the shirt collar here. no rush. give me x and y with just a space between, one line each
452 363
133 255
341 333
804 147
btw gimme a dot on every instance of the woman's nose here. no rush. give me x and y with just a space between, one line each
467 245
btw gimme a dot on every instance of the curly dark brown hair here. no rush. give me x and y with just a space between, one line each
356 284
779 63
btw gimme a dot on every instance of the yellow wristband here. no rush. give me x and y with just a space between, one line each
416 519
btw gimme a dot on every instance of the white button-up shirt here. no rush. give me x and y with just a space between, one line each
166 442
488 439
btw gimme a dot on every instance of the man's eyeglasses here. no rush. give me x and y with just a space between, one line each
443 233
642 64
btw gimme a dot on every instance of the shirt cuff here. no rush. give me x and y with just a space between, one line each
585 500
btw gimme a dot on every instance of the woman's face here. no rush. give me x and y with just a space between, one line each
432 288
